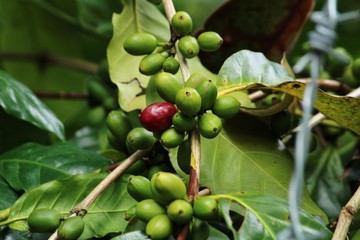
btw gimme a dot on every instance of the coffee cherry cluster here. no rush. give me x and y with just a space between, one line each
184 107
163 205
160 57
46 220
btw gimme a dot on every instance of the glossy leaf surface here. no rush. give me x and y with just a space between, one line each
136 16
46 163
267 216
19 101
105 215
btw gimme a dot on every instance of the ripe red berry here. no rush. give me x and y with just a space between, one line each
157 117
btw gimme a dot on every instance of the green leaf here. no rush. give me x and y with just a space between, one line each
32 164
19 101
327 188
245 157
136 16
251 70
266 216
105 215
8 195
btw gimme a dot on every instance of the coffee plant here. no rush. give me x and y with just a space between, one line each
148 119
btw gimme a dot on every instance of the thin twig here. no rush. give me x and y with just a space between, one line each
43 60
346 215
84 205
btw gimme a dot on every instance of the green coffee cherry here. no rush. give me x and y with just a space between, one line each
188 46
180 211
195 79
71 228
171 65
270 99
140 43
208 92
139 188
44 220
355 68
210 125
167 85
140 138
114 142
226 106
171 138
147 209
200 230
209 41
188 101
151 64
167 187
119 125
157 168
182 23
159 227
184 156
183 122
205 208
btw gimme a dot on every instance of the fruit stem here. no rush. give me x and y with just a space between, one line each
170 12
194 178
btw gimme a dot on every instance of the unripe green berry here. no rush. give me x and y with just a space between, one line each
188 46
44 220
167 85
171 138
188 101
139 187
226 106
171 65
180 211
210 125
151 64
140 138
209 41
182 23
183 122
71 228
147 209
159 227
205 208
140 43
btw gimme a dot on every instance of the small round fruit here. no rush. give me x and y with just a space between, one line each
159 227
183 122
171 138
205 208
182 23
189 46
130 213
44 220
209 41
171 65
71 228
147 209
226 106
140 43
208 92
119 125
188 101
167 85
140 138
184 156
151 64
180 211
139 188
157 117
195 79
167 187
200 230
210 125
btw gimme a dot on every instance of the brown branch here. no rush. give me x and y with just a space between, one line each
44 59
346 216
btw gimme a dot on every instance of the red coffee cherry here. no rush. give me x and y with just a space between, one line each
157 117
